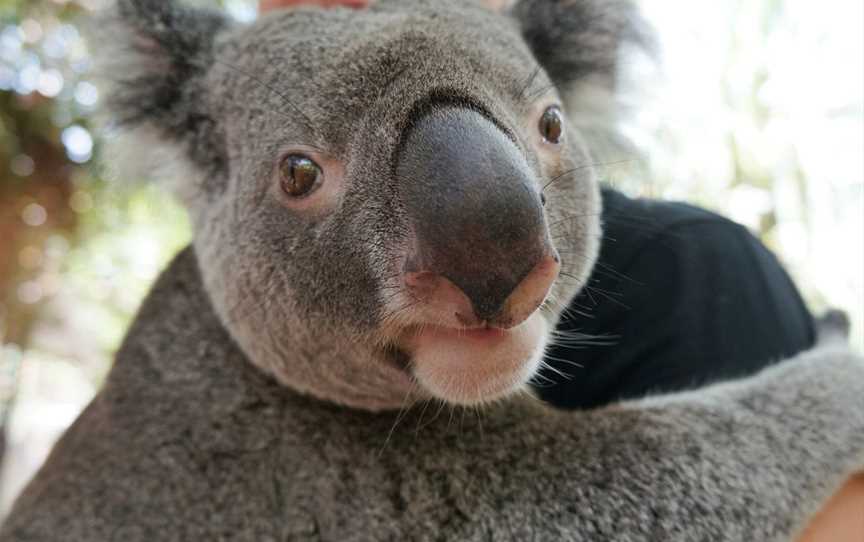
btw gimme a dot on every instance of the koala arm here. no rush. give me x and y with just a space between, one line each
747 460
753 459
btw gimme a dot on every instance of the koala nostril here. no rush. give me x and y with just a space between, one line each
438 292
543 199
497 304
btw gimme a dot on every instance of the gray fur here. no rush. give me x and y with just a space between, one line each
189 442
256 396
349 84
581 39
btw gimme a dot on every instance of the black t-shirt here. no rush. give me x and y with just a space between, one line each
680 297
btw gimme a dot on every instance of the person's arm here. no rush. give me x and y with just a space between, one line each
842 520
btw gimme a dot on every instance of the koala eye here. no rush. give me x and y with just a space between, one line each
552 125
299 175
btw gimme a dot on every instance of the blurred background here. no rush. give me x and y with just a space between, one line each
757 111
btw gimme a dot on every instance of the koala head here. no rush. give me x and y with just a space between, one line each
389 205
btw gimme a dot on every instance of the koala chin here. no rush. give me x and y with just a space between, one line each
472 367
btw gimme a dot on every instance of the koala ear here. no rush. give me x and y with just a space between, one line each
581 40
155 69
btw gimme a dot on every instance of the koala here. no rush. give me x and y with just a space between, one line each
391 209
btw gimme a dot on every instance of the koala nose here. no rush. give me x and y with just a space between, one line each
502 306
481 243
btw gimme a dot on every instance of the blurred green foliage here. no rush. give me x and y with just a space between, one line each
77 252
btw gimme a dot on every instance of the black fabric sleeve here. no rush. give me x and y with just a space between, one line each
680 297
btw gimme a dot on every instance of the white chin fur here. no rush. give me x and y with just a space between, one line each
467 371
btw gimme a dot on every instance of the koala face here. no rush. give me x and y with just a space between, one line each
388 205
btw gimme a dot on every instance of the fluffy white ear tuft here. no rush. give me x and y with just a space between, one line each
153 80
142 154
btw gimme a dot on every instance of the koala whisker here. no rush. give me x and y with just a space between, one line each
570 310
422 413
287 101
607 269
575 342
564 175
571 217
610 296
600 290
565 362
394 76
452 410
478 412
591 165
403 410
587 338
392 323
546 367
441 405
570 280
591 297
579 310
394 315
521 95
575 345
600 267
393 293
539 92
545 383
540 380
388 278
563 236
390 282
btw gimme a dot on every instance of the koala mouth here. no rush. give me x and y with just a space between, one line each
474 366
